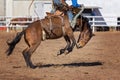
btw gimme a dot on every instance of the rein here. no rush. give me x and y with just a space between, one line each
50 25
63 24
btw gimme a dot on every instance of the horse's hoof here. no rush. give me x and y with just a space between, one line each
33 67
58 53
66 52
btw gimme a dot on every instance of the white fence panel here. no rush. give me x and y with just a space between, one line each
95 21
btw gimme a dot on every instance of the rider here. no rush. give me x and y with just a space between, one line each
54 4
72 18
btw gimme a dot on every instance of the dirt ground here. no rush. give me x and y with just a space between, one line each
98 60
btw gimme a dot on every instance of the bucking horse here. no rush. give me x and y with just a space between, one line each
53 27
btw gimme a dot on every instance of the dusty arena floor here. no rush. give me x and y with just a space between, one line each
98 60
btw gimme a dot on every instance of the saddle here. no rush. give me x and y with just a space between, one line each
57 13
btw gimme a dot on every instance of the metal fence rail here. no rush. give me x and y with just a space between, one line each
6 20
95 21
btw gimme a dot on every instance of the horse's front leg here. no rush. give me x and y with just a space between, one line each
66 47
70 49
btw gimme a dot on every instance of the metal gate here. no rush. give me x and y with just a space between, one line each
41 8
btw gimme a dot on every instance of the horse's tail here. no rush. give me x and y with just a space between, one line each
13 43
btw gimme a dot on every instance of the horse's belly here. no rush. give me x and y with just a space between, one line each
54 33
53 36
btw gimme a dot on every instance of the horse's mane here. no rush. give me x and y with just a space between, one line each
85 21
84 18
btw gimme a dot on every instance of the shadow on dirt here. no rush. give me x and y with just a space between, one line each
87 64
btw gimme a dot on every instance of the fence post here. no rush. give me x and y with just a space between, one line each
93 28
7 23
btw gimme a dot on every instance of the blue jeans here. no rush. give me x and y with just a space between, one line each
57 2
70 15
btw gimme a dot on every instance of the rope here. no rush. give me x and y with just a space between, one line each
30 7
63 24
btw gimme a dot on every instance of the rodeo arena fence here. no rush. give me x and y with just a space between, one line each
98 23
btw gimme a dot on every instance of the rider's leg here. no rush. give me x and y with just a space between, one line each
73 22
70 15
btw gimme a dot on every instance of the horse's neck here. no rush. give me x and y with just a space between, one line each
86 26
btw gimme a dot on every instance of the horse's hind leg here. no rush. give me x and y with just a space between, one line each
27 55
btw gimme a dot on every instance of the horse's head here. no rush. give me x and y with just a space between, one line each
85 29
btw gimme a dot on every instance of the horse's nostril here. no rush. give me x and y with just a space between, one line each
78 45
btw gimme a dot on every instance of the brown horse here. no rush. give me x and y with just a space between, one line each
54 27
18 21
